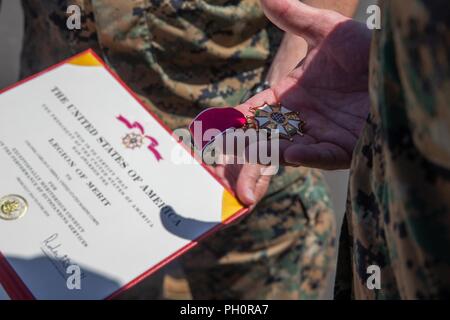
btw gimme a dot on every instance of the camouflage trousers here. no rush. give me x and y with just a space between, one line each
284 249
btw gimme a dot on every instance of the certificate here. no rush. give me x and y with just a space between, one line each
95 193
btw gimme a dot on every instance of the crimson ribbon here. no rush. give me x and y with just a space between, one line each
153 142
220 119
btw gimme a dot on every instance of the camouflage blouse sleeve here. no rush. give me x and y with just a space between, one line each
423 50
399 205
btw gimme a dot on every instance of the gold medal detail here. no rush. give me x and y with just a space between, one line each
133 141
12 207
269 117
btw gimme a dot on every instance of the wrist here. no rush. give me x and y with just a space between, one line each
258 88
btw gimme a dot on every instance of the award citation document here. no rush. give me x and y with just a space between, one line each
95 193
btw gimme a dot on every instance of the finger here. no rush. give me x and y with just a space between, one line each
262 185
321 156
298 18
249 187
267 96
271 152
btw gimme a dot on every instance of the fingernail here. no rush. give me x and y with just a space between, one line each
250 196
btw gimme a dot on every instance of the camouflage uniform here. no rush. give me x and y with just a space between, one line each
184 56
399 196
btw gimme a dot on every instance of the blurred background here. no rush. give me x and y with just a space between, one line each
11 32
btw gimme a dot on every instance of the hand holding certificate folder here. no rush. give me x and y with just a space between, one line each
90 187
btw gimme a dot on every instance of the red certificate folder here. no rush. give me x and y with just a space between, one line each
18 278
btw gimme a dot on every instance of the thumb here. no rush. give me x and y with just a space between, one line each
300 19
246 184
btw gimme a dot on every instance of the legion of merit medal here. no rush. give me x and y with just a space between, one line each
277 117
12 207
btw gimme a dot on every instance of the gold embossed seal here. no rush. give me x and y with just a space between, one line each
13 207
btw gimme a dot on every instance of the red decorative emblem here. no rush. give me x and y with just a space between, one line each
135 140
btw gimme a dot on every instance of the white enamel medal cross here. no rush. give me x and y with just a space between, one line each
276 117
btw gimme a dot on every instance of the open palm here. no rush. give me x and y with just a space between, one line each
329 88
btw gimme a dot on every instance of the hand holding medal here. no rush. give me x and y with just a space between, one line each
321 107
